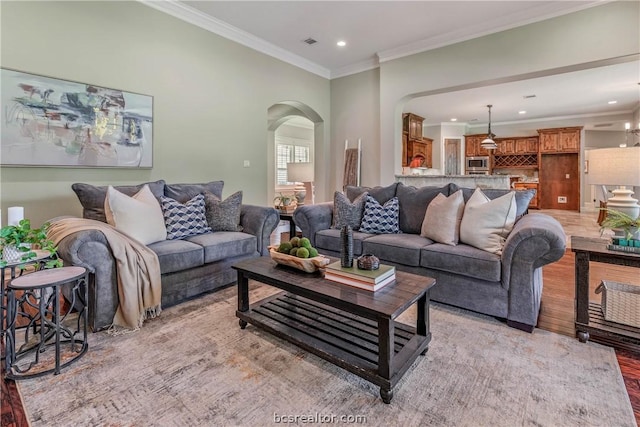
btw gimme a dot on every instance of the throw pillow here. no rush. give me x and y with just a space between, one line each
378 219
139 217
486 223
413 205
346 212
185 192
184 220
92 198
223 215
381 194
442 219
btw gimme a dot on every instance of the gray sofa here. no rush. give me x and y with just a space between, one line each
188 267
507 286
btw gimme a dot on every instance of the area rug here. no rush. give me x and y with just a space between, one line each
194 366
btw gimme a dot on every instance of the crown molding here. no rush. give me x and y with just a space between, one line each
553 118
188 14
366 65
501 23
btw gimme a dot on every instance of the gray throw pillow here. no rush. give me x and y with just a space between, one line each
184 192
184 220
223 215
381 194
413 205
346 212
92 198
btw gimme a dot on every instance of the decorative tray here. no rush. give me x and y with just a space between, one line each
308 265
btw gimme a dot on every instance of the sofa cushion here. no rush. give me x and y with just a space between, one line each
346 212
397 248
442 219
92 198
462 259
225 244
413 205
184 192
223 215
183 220
523 197
329 240
139 217
379 219
487 223
381 194
177 255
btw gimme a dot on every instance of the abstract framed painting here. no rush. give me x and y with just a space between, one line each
53 122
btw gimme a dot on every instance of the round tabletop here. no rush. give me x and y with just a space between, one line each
48 277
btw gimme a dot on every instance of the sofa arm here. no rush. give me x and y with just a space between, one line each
313 218
536 240
259 221
90 249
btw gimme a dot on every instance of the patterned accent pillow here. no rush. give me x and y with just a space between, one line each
378 219
346 212
184 220
223 215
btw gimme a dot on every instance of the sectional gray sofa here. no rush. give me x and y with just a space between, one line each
189 266
507 286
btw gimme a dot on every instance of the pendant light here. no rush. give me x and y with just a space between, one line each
488 143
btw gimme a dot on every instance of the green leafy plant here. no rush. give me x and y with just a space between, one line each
25 239
620 220
283 199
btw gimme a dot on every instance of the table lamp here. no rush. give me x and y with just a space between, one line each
617 166
301 172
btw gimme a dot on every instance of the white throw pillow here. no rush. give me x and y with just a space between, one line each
442 220
487 223
139 217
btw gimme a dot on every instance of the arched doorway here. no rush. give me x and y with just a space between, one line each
281 113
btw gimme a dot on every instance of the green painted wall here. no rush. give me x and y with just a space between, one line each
211 96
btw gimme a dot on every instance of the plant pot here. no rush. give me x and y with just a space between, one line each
13 254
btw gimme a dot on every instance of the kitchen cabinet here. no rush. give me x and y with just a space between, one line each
412 124
529 186
473 147
422 148
560 140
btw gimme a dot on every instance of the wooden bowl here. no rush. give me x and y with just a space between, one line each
308 265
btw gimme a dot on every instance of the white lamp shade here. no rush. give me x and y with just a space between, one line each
300 172
614 166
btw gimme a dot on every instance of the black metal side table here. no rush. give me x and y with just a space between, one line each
43 326
15 269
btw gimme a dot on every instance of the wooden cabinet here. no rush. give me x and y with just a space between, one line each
529 186
413 144
526 145
505 146
560 140
412 124
473 147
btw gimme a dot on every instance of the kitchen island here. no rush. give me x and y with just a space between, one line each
467 181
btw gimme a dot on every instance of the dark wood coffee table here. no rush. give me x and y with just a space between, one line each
351 328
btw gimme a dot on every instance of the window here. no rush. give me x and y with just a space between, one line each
289 151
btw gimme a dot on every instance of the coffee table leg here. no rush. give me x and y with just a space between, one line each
422 324
385 355
243 297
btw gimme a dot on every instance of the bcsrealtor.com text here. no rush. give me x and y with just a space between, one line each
318 418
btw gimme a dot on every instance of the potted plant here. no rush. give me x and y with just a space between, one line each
283 200
18 242
617 220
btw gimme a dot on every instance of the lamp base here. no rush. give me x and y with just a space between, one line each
623 202
300 194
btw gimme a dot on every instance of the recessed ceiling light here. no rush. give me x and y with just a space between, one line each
612 102
342 43
453 119
522 112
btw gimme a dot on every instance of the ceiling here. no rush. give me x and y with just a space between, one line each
379 31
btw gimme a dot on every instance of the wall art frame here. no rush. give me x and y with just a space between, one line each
52 122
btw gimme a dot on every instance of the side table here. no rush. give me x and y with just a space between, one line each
292 225
590 322
15 269
67 333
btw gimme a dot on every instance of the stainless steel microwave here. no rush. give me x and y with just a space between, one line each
478 163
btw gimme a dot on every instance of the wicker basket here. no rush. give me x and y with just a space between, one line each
620 302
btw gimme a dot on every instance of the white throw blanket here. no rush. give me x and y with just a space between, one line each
137 271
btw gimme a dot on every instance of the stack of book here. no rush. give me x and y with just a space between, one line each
371 280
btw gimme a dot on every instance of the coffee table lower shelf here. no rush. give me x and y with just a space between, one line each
609 333
344 339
